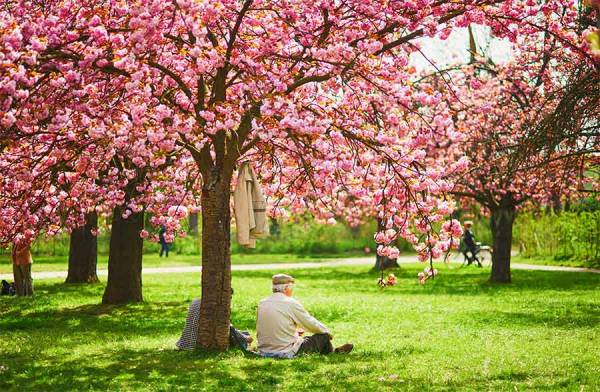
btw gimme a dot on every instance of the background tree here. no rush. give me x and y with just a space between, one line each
193 223
499 116
574 123
83 252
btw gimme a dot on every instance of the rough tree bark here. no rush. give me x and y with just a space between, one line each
213 329
125 259
501 223
83 252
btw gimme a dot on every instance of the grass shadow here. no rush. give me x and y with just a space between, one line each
197 370
122 320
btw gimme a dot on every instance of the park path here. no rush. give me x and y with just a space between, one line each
362 261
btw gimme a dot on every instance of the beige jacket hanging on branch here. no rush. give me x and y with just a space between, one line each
250 208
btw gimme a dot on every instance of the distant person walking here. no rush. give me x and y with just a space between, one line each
22 260
164 245
471 249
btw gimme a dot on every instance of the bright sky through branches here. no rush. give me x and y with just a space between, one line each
455 49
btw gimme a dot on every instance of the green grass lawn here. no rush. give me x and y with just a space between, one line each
564 263
456 333
59 263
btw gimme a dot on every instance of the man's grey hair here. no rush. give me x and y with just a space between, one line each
280 288
281 282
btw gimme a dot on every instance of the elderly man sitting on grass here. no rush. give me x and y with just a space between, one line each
282 320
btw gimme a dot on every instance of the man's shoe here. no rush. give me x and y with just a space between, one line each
344 349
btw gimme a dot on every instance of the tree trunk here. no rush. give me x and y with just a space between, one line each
384 262
501 223
193 223
125 259
213 329
83 252
556 203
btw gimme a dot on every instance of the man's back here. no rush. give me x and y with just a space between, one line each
277 321
275 328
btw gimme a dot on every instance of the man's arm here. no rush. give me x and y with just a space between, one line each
306 321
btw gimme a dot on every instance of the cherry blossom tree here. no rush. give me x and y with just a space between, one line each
499 109
316 94
57 176
574 120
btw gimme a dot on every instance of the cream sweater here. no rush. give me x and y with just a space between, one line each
277 323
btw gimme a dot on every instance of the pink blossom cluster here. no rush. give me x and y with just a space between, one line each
390 252
428 273
389 281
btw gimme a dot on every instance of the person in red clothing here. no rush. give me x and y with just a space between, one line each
22 260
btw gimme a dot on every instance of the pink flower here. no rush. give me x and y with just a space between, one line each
380 237
475 84
39 45
453 227
8 119
95 21
99 34
382 250
208 116
179 212
117 39
393 253
72 77
390 235
444 208
391 280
